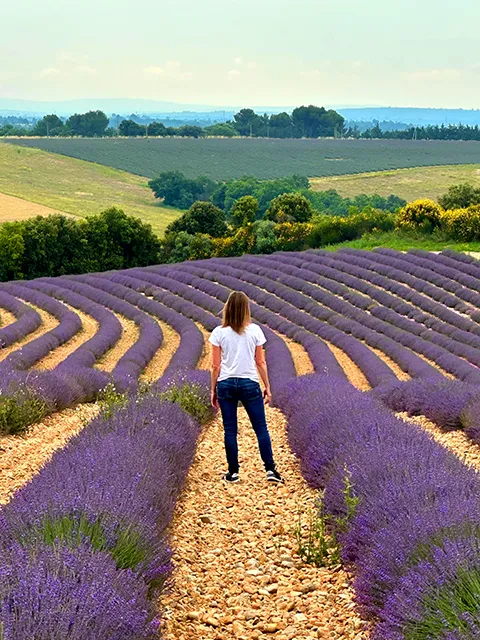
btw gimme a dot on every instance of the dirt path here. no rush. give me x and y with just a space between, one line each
6 318
21 457
353 372
237 572
129 337
157 365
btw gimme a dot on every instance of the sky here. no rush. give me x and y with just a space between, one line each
422 53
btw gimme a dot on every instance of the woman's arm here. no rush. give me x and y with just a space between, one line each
216 363
263 371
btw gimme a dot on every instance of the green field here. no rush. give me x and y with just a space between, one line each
260 157
402 242
76 187
410 184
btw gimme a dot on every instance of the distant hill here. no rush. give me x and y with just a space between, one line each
411 115
183 113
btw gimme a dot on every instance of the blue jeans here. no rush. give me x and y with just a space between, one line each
229 393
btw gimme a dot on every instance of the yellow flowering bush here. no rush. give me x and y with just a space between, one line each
462 224
420 215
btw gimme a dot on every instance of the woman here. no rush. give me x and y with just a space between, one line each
237 353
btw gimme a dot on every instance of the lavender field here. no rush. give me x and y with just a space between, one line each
356 342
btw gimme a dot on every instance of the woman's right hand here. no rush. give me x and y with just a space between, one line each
214 399
267 395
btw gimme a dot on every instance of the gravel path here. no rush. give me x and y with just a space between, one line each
6 318
238 575
157 365
130 333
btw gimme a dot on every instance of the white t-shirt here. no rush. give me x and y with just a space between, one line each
238 351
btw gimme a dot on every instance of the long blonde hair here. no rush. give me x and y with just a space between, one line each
236 313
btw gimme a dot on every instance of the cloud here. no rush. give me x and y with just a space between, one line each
172 70
234 73
49 72
238 61
86 70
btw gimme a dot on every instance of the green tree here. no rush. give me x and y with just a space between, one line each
244 211
50 125
190 131
12 251
281 125
202 217
129 128
247 122
224 129
316 122
178 191
265 238
54 245
290 207
460 196
90 124
119 241
156 129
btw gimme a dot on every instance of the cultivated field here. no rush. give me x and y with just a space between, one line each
389 426
72 186
262 158
410 184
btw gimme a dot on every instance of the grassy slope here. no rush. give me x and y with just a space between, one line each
263 158
402 242
77 187
411 184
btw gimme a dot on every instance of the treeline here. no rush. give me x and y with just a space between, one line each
176 190
429 132
290 223
304 122
57 245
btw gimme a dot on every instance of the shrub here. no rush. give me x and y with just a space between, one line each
460 196
202 217
293 236
289 207
19 409
332 230
420 215
244 211
462 224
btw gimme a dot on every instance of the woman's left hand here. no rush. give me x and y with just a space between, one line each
214 399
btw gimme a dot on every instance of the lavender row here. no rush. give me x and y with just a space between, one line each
374 368
193 304
32 352
331 278
133 362
88 564
191 339
26 320
447 403
391 280
413 536
109 331
175 280
346 317
414 273
332 311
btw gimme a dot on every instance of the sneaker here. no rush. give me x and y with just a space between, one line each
274 476
231 477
